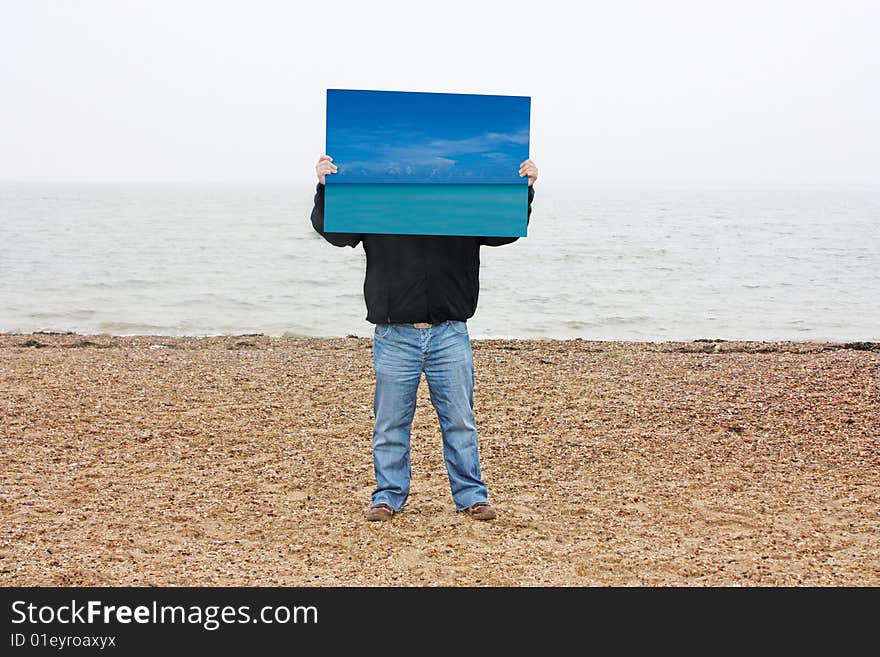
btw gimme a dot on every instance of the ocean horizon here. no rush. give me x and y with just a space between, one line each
607 264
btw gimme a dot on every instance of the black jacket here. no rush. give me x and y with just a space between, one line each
417 278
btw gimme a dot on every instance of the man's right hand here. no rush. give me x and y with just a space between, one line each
323 167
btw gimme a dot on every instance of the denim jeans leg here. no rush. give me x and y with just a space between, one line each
397 361
449 369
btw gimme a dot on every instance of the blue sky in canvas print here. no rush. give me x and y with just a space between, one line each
411 137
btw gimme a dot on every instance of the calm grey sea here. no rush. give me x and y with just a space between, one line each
622 264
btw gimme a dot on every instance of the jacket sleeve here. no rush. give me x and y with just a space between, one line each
501 241
336 239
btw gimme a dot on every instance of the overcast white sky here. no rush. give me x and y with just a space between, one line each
641 93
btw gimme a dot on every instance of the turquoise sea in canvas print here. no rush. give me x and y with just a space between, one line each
426 163
422 209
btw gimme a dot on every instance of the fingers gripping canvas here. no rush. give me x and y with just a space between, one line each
426 163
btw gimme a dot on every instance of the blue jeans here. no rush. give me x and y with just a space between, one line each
401 352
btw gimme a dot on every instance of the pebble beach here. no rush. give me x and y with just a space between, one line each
245 460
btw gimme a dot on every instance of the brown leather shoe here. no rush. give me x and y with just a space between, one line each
380 512
481 511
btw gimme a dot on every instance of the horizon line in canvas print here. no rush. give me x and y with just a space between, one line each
416 163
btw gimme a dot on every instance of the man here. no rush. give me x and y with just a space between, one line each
420 290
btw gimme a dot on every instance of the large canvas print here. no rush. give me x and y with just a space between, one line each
426 163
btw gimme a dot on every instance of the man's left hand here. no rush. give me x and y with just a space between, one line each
528 168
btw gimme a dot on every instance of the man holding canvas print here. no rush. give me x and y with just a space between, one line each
420 289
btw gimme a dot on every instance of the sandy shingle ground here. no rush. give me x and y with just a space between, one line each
246 460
